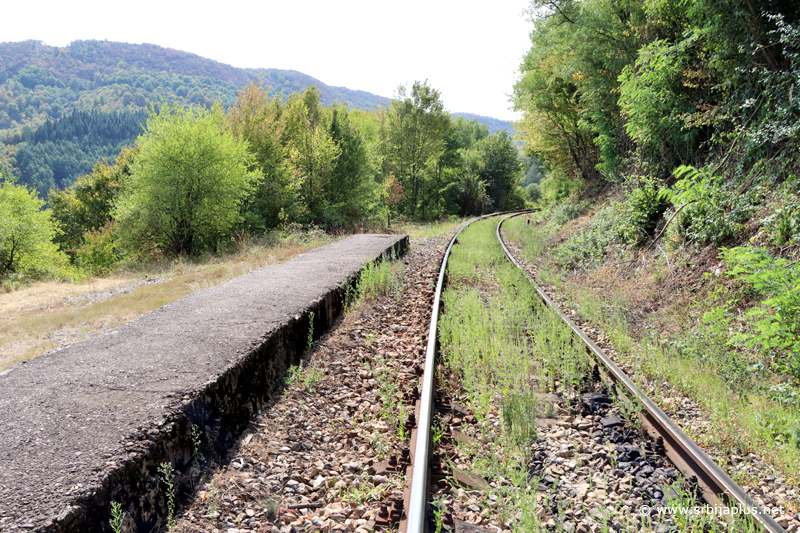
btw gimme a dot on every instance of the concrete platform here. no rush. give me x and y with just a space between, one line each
90 423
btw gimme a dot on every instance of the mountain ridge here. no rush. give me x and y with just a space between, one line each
40 84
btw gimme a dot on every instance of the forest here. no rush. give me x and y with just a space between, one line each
199 175
92 97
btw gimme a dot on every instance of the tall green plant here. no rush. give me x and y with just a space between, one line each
188 182
26 234
773 324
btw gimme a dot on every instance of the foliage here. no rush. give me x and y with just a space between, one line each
501 170
86 206
773 324
534 192
99 252
644 205
586 249
417 126
258 119
117 517
656 104
393 195
26 234
187 184
712 210
569 83
102 74
168 478
783 225
312 154
350 193
104 89
59 151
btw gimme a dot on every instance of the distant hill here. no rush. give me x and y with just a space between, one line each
493 124
41 82
100 90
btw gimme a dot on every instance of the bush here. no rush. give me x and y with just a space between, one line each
715 210
773 324
534 192
26 235
644 206
187 185
99 252
586 249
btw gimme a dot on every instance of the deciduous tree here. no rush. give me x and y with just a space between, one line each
26 233
417 127
188 182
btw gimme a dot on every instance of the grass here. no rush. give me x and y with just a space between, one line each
382 278
743 417
417 230
505 349
41 317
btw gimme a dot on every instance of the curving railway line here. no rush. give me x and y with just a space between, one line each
707 479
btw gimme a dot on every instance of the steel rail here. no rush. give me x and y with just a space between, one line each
717 486
418 496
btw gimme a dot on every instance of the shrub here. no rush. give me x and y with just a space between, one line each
586 249
773 324
643 208
714 210
99 252
26 235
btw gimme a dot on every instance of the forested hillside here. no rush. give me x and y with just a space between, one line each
199 175
117 82
42 82
57 152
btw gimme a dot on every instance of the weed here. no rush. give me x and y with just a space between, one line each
383 278
519 416
293 374
311 378
271 506
437 431
439 509
310 338
380 445
360 491
117 517
168 478
196 442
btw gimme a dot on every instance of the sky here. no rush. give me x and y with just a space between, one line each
469 51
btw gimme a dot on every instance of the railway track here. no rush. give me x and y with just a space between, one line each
663 445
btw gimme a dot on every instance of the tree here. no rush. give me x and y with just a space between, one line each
86 206
258 120
311 151
26 233
569 83
349 189
188 182
501 170
417 128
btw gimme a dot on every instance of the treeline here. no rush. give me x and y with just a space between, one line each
40 83
611 89
198 175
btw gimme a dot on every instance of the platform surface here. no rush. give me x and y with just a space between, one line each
67 415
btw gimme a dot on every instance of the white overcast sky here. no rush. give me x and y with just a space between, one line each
470 51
